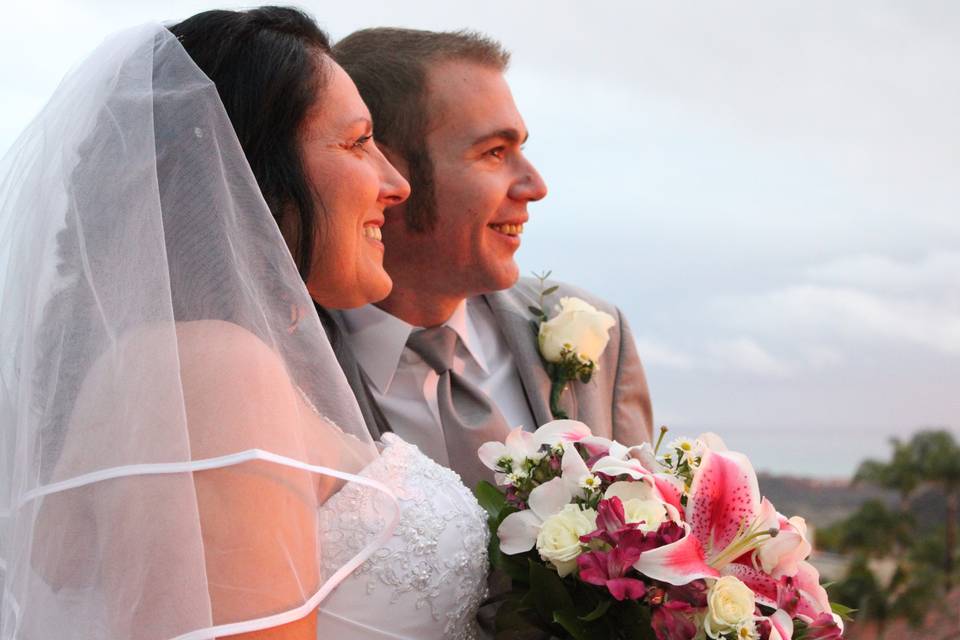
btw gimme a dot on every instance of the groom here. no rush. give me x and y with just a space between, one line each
445 117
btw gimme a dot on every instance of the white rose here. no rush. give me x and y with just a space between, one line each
730 604
651 513
578 326
559 539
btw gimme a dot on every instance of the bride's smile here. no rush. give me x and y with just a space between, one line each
343 163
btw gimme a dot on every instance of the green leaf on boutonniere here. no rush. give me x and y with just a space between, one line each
549 291
535 325
556 389
537 311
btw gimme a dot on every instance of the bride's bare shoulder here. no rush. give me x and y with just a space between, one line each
225 343
222 369
201 346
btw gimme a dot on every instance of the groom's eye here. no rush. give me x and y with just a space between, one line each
497 152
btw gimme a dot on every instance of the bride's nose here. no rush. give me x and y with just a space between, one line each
394 188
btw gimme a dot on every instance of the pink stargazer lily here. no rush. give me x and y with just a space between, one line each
722 507
638 463
780 556
826 626
728 522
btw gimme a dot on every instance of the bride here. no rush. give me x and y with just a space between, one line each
181 456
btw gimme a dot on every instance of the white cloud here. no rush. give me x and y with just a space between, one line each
741 354
821 357
845 313
657 354
937 270
745 354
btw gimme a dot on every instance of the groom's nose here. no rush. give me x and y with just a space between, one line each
529 185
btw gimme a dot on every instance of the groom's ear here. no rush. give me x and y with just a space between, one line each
394 158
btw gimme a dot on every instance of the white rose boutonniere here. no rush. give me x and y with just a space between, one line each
571 342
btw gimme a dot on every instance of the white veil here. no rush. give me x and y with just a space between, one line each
173 417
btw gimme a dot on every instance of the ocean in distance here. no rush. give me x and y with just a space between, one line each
813 453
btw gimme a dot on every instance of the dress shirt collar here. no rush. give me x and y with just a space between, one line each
378 338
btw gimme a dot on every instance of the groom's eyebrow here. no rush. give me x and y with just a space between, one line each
509 134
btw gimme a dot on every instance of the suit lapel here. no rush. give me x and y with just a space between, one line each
375 420
516 324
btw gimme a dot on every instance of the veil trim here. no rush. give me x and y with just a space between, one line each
219 462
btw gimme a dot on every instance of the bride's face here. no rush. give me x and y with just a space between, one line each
352 183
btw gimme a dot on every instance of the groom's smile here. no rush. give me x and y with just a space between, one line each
507 229
471 182
482 183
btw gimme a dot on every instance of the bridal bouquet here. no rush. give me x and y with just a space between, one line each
605 541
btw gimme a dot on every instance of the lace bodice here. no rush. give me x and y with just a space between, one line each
429 579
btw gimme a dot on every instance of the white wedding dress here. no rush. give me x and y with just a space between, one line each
429 579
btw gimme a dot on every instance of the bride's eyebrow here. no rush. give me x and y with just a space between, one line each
364 120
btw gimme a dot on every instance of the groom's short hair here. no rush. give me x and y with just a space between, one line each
389 67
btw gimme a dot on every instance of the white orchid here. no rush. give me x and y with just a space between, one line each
519 531
508 456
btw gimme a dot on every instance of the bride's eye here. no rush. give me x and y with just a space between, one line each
361 142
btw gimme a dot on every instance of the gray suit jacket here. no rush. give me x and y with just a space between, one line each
614 404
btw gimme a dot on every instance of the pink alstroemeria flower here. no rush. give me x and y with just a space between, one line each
608 569
611 523
673 621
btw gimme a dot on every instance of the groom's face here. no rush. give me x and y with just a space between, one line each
482 181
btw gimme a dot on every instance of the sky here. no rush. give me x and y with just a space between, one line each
768 190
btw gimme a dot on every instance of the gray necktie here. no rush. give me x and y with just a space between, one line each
467 415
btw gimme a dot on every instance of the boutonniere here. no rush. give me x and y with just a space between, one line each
570 342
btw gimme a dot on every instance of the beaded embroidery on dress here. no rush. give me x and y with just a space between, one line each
429 579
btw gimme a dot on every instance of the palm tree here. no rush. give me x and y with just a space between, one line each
874 530
929 459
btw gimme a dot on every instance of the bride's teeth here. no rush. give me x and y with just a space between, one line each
373 232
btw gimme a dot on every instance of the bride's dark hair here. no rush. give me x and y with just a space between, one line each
267 66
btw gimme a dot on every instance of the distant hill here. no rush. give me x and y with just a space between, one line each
823 502
820 502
